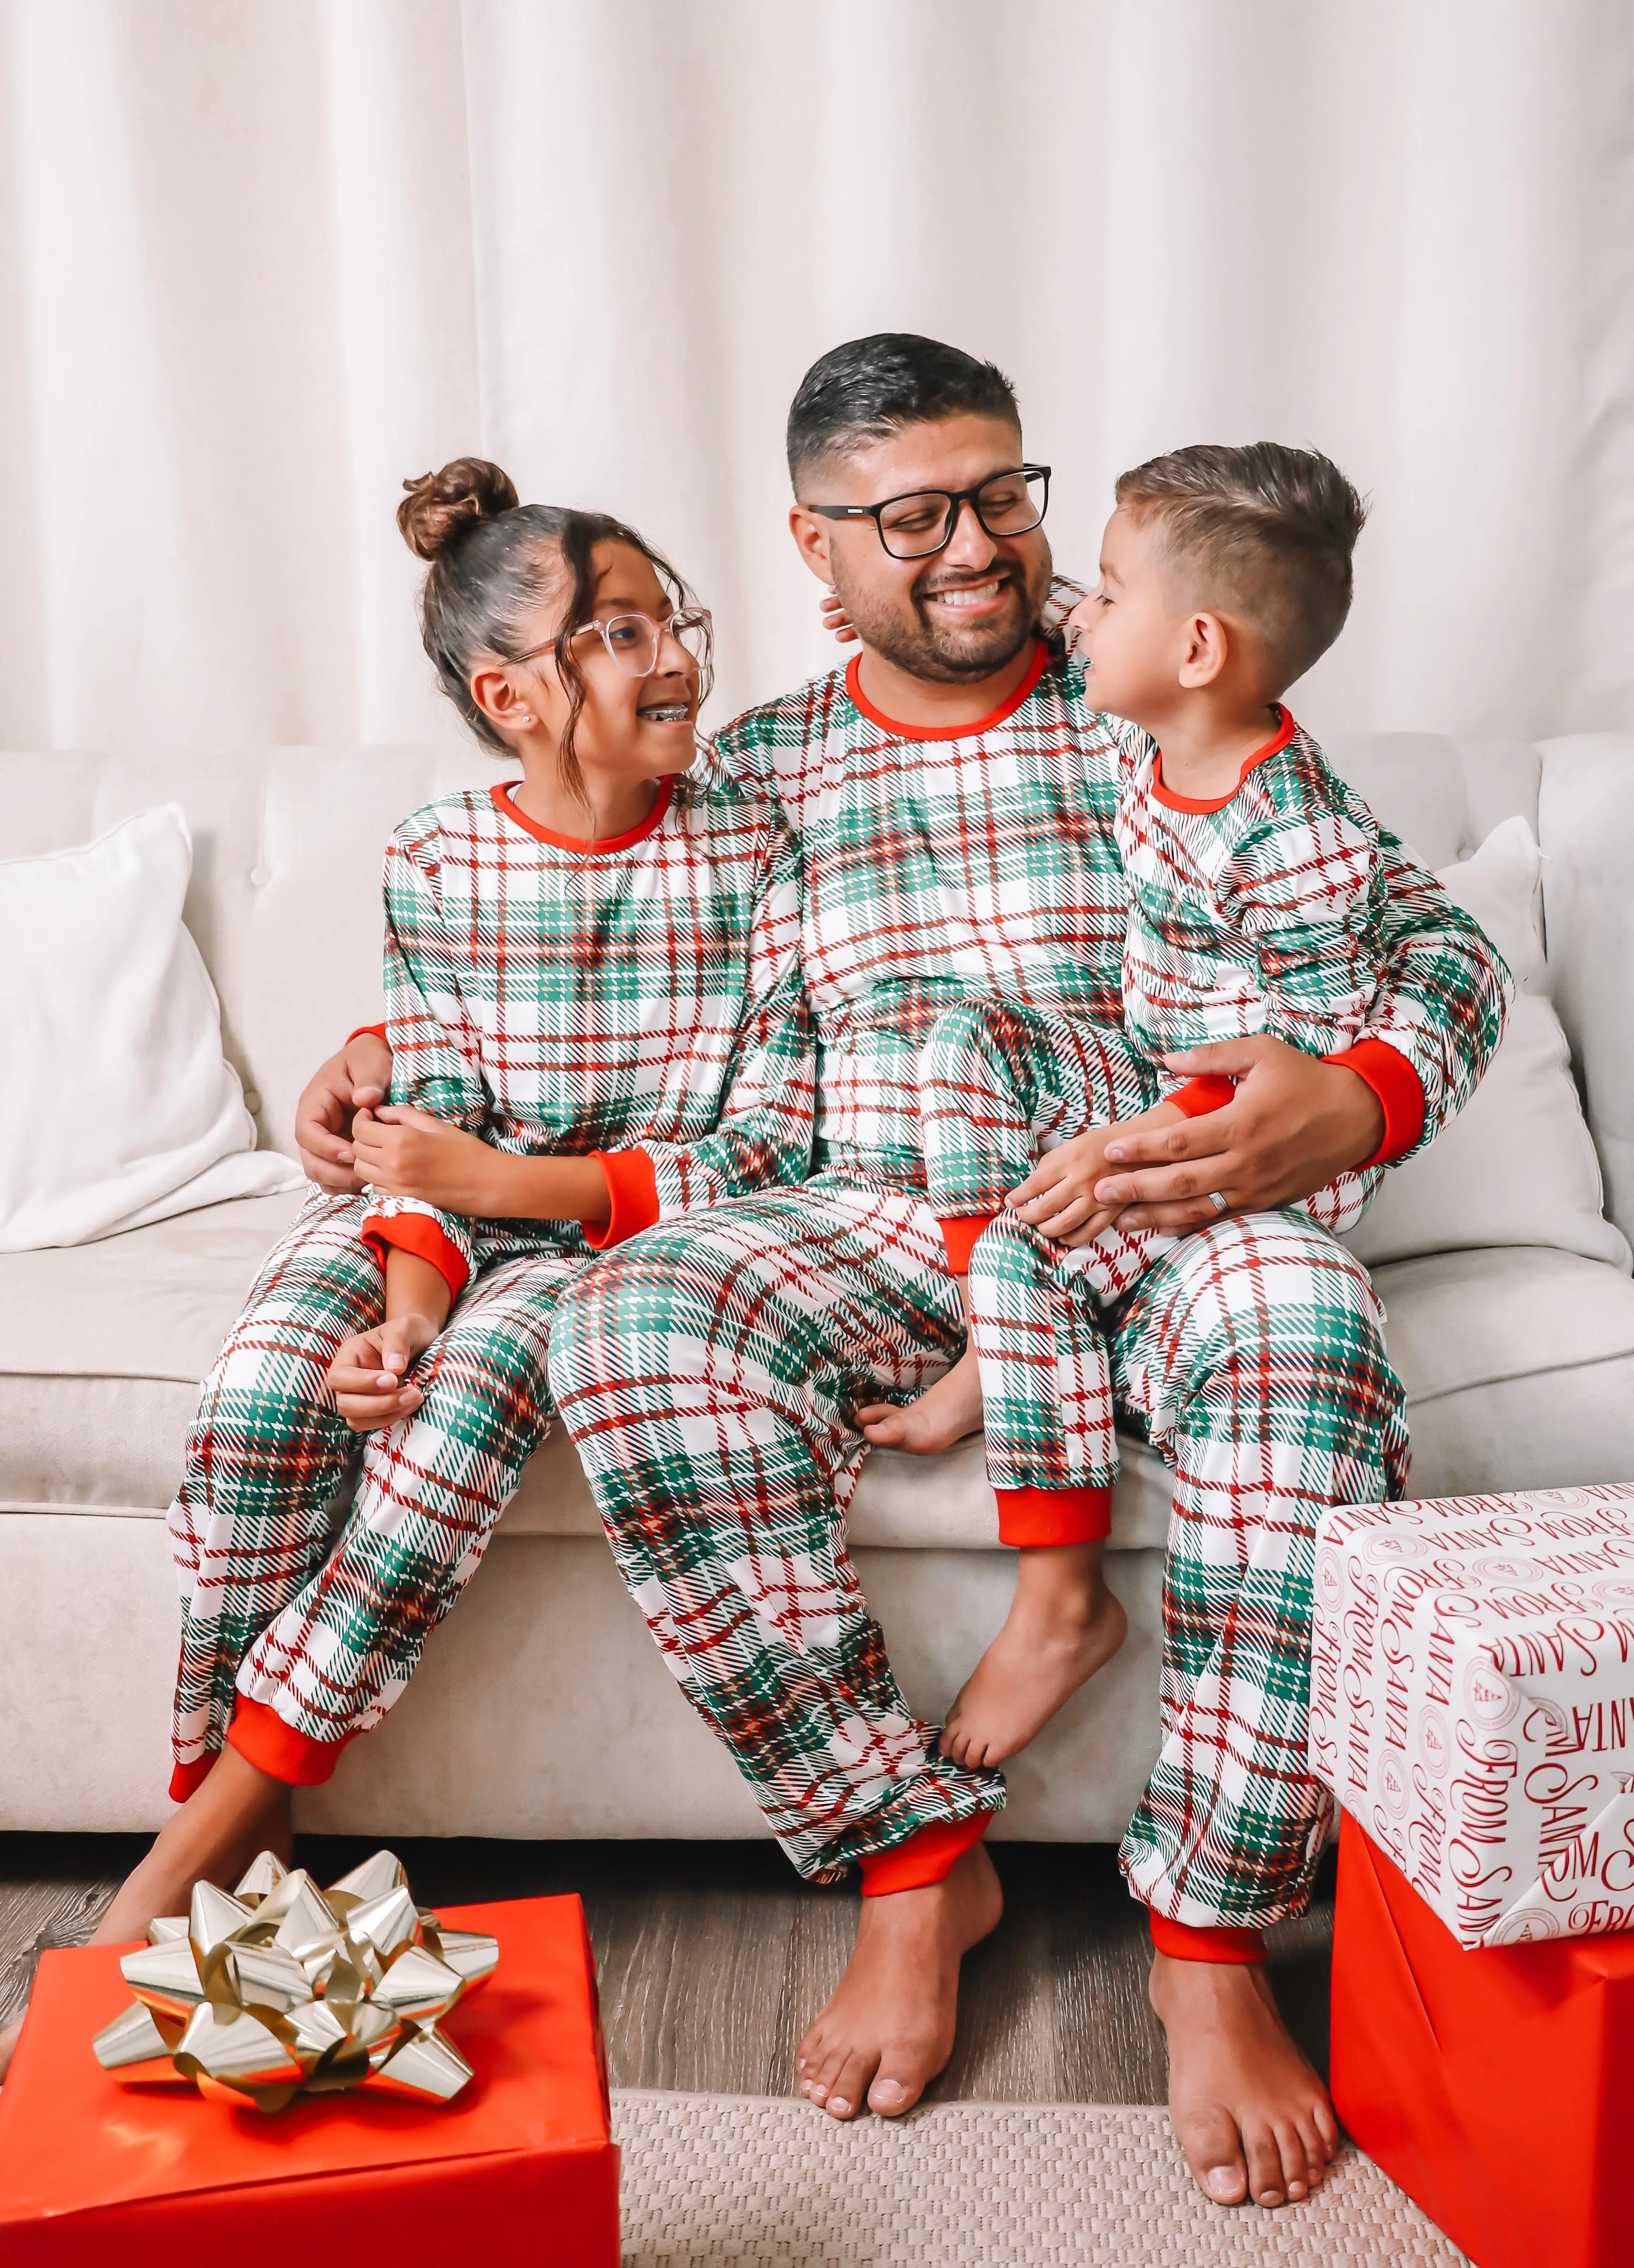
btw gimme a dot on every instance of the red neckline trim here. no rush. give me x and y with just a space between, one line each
1278 741
501 794
1007 708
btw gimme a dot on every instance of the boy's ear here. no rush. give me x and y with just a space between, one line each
811 541
1205 646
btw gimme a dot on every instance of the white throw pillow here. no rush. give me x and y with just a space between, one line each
1518 1165
117 1107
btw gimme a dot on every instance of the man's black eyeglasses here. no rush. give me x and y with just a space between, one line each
913 527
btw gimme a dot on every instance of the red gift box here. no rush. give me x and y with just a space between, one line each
1496 2086
521 2168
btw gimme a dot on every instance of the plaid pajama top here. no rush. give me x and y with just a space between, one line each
638 1001
1262 910
982 860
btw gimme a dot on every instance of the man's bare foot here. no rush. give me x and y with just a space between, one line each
942 1414
1064 1625
888 2027
238 1811
1250 2114
8 2039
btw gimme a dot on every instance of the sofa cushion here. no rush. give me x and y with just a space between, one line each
118 1107
102 1347
1519 1366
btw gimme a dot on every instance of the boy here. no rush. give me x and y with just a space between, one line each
1256 903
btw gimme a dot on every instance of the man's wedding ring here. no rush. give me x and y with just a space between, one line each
1218 1203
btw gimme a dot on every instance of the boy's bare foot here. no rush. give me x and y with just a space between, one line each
237 1812
1064 1625
942 1414
888 2027
1252 2117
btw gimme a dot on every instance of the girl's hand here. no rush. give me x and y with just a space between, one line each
408 1153
366 1376
835 618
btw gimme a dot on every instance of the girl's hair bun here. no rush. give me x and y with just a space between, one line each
440 508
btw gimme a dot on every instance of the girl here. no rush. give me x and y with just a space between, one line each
594 1005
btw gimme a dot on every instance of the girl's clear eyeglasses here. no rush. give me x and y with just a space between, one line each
635 641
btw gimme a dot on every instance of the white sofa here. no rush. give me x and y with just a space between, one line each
541 1708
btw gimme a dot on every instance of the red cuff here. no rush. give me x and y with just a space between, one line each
1199 1096
633 1187
1031 1518
419 1233
928 1857
1181 1942
1400 1090
375 1032
260 1735
958 1234
187 1779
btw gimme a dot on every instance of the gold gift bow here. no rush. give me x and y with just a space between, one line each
281 1989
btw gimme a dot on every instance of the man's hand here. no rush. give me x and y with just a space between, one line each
366 1376
835 619
408 1153
1294 1124
360 1075
1058 1196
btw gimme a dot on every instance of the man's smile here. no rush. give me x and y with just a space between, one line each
982 597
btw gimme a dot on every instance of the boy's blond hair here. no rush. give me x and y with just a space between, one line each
1264 533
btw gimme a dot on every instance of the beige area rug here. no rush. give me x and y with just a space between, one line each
721 2181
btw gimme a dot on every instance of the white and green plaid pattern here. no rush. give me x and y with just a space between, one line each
318 1611
643 995
558 1001
709 1372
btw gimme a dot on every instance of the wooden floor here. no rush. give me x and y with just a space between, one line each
714 1957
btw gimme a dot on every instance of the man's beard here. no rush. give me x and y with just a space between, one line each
943 653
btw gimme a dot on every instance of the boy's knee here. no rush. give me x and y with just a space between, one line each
970 1031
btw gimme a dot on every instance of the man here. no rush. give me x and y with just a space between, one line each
954 792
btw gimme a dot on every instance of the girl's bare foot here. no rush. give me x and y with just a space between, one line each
1064 1625
238 1811
942 1414
888 2027
1250 2114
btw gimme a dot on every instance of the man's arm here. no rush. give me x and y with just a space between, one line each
358 1078
1295 1120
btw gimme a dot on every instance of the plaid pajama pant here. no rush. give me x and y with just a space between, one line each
310 1582
998 1083
709 1372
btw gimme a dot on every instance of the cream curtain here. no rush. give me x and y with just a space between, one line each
261 258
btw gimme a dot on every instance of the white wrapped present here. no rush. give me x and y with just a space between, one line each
1472 1702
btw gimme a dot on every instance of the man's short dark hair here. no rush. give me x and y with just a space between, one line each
870 389
1264 532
